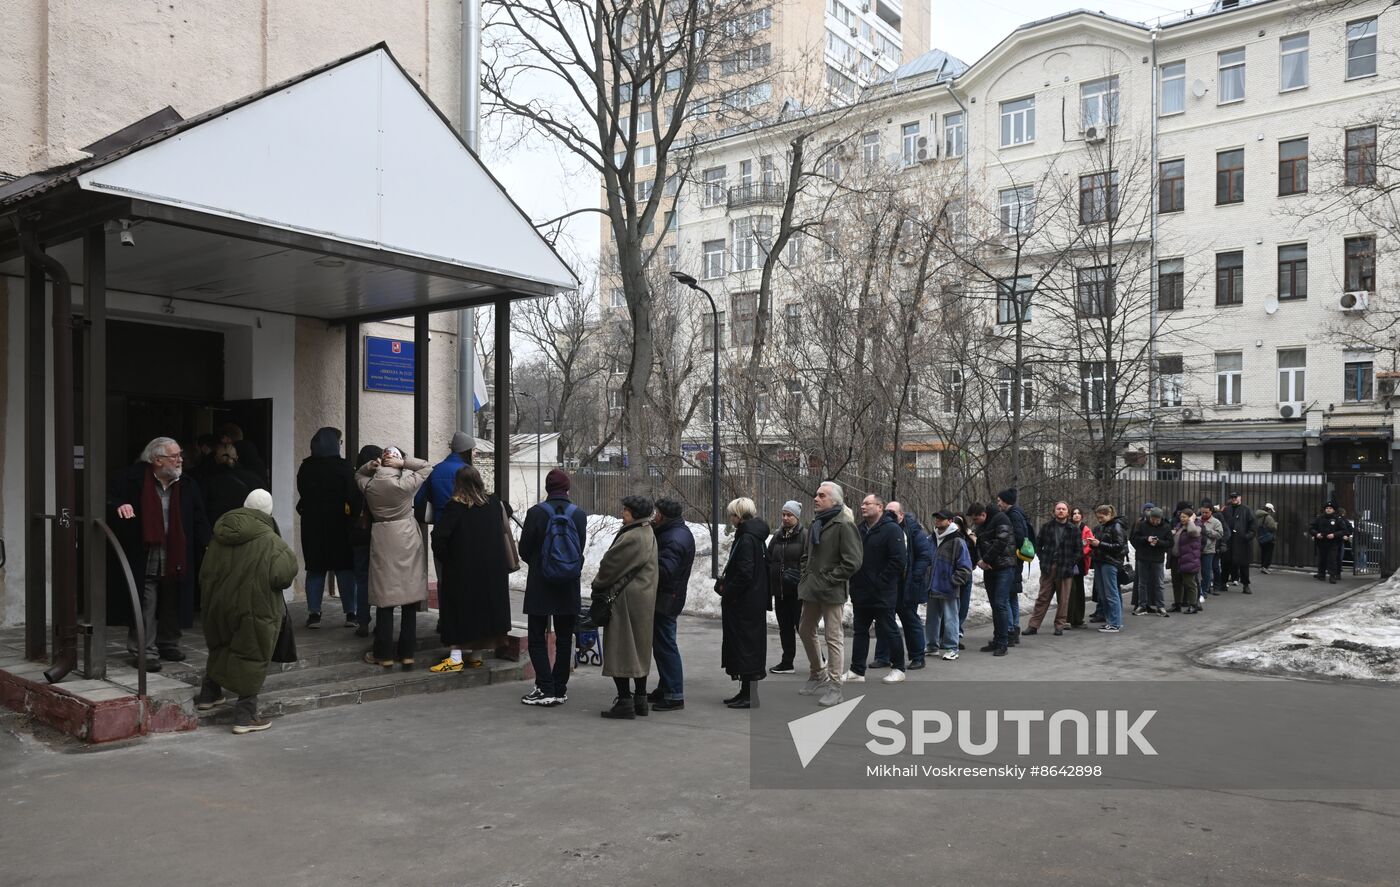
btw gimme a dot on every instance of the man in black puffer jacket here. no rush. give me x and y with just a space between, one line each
675 555
875 589
996 555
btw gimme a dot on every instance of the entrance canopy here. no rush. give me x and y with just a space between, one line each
341 194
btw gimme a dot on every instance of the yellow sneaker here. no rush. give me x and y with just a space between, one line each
446 666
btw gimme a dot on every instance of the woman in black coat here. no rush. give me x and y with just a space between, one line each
326 485
743 591
474 596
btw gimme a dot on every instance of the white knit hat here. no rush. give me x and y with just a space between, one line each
259 500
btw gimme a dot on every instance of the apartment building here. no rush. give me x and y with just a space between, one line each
1240 134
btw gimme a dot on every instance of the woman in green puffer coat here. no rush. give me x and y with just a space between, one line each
245 569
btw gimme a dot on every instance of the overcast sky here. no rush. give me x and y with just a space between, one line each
548 183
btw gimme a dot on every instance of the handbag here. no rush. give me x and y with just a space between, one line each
1126 575
285 650
600 605
512 552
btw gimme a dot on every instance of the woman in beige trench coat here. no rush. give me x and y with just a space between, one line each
630 563
398 562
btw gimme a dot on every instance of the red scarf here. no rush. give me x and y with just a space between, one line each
153 530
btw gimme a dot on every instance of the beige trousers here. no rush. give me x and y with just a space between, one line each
830 614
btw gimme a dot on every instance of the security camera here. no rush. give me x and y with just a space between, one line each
127 238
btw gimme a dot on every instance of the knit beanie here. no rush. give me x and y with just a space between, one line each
259 500
794 508
557 481
462 442
1008 496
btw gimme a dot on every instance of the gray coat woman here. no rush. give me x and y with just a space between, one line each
398 560
627 637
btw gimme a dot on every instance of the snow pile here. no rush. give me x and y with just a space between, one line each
1358 638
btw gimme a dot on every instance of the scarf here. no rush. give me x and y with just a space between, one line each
153 529
820 520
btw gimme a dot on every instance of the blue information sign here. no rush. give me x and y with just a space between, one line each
388 365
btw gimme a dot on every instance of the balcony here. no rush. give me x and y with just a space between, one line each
757 194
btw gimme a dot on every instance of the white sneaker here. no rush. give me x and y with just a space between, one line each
894 677
951 655
832 696
851 677
813 686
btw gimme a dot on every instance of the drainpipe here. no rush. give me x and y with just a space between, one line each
64 553
1152 264
471 117
967 146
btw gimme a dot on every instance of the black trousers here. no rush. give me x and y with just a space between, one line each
1239 569
788 610
1266 554
1329 557
885 626
552 680
384 632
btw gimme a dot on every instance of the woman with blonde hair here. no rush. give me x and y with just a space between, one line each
474 595
744 602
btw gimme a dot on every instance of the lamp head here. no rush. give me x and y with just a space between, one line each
685 279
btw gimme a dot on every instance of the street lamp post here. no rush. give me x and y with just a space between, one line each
686 280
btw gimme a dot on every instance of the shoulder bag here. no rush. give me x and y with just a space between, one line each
600 606
512 552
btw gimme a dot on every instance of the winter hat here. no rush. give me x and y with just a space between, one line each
1148 506
1008 495
462 442
1154 511
1330 503
1269 507
794 508
557 481
259 500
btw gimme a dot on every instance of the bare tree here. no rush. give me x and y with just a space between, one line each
560 330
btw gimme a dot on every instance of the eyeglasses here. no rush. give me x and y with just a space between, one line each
173 457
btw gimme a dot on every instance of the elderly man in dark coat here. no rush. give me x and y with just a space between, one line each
326 485
875 589
163 529
1240 519
243 575
555 598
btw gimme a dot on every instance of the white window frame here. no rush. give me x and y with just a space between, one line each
1006 377
909 143
1093 386
712 190
1229 380
1357 33
1016 208
712 261
1170 386
1292 380
953 388
1172 83
954 134
1094 95
1285 54
792 321
619 298
1025 288
1018 118
870 147
1228 61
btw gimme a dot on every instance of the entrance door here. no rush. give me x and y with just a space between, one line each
254 418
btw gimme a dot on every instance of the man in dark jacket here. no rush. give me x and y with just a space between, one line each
1060 548
1240 519
1151 539
1328 530
918 546
875 589
161 522
997 557
1020 532
551 599
784 574
675 555
226 484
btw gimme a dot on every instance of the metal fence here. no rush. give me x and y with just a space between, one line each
1371 504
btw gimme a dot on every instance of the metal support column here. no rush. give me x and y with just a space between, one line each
501 396
352 390
35 482
95 448
420 385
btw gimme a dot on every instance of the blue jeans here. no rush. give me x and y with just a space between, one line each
316 586
670 675
883 620
999 588
943 622
964 603
913 635
1207 572
361 556
1013 599
1110 598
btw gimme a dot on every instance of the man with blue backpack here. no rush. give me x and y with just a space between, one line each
551 543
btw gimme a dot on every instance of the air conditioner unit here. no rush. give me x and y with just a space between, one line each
1093 134
921 155
1190 415
1290 409
855 32
1353 302
877 52
865 7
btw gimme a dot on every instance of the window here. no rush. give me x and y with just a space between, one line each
1170 380
831 159
644 189
1098 197
1290 460
672 185
1093 385
1098 103
794 396
745 307
619 366
707 331
619 297
1173 95
1293 62
1171 184
1231 76
1169 465
909 144
1229 371
669 257
674 79
1360 264
1095 291
745 173
1293 167
870 148
1229 460
839 83
746 59
792 320
712 191
1171 289
1009 293
1361 48
1292 369
712 263
1229 176
752 237
1005 385
1229 278
1361 156
794 247
670 221
1292 272
1017 209
953 139
952 389
615 400
1358 381
1018 122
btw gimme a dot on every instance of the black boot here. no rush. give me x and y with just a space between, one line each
622 709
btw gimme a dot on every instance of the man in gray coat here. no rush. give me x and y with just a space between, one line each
831 556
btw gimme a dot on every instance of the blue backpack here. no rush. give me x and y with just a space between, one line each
562 551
